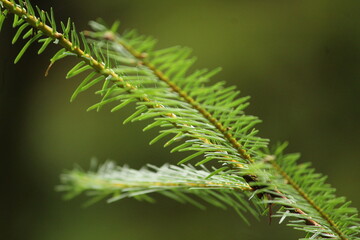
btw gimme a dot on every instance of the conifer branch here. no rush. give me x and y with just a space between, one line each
141 58
114 178
206 120
25 11
175 182
111 176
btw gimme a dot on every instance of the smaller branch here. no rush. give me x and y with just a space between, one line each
110 178
101 183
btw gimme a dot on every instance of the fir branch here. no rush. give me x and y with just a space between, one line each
74 48
141 58
166 176
25 11
171 181
206 120
103 33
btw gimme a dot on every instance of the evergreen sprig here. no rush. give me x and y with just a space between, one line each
175 182
208 121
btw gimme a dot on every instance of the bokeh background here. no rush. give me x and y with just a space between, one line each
299 60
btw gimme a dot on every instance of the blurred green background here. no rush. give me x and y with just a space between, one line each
299 60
